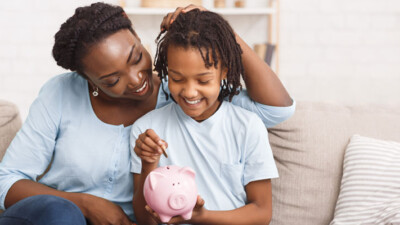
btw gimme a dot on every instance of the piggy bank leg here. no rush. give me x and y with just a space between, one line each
165 218
187 216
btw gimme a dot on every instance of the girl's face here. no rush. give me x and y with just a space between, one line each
193 86
120 66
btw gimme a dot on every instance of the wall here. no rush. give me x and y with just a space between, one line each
331 50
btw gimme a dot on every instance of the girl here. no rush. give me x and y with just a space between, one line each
227 146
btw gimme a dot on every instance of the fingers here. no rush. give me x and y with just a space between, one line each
191 7
171 17
153 214
200 202
149 146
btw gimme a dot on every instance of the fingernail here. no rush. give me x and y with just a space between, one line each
171 21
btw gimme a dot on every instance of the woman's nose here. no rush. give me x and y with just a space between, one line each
135 79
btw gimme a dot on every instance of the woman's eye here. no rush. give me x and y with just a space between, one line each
138 60
113 84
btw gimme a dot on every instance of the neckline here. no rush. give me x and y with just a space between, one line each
213 119
93 114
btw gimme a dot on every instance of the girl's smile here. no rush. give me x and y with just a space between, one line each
193 86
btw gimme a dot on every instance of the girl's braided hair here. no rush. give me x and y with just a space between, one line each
213 37
88 26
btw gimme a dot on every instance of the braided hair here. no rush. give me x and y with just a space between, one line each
88 26
215 40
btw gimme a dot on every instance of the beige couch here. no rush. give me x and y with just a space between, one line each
10 122
308 149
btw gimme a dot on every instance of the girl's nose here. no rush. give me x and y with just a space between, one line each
189 91
135 80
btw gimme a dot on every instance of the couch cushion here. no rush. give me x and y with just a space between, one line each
10 123
309 149
370 187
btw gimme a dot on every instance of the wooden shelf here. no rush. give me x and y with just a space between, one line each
224 11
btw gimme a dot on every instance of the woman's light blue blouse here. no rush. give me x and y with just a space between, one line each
89 156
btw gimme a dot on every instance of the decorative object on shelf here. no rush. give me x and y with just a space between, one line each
240 3
219 4
168 3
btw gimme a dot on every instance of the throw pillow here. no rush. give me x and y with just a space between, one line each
370 187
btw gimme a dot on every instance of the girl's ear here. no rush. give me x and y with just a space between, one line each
224 73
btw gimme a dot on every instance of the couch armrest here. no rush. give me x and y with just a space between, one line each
10 123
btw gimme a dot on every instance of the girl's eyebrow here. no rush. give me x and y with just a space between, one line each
199 74
129 58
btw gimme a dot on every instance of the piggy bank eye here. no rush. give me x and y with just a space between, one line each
167 167
173 184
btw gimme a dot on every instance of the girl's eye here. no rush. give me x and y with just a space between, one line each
203 81
113 84
138 60
175 80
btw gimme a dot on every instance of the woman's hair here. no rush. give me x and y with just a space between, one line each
213 37
88 26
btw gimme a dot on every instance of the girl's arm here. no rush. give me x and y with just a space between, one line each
258 210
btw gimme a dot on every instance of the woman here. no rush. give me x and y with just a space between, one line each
81 121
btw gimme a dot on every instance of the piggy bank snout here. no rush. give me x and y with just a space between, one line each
177 201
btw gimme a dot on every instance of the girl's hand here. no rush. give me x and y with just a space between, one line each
198 211
103 212
170 17
149 146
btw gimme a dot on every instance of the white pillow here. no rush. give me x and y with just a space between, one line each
370 188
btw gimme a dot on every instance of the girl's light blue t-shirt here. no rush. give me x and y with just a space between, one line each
89 156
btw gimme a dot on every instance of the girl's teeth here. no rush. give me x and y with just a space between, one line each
192 102
141 89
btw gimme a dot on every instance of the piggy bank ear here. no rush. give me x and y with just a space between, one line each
187 170
154 177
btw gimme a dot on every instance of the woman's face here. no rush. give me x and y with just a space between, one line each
194 86
120 66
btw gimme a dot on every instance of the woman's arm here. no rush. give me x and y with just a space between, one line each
96 209
262 84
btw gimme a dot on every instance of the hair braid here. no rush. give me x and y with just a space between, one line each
88 26
215 40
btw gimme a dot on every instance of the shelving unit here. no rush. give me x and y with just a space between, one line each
225 11
269 13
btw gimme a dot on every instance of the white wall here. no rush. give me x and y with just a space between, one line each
345 51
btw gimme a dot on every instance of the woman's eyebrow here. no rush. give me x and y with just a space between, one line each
129 58
130 53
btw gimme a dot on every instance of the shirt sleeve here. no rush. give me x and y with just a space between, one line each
31 150
138 128
259 161
270 115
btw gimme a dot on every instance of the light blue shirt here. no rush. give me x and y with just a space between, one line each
227 151
90 156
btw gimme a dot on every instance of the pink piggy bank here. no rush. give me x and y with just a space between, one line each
171 191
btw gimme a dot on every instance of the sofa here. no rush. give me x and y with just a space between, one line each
308 148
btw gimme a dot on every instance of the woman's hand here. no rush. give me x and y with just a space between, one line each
149 146
170 17
100 211
198 211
